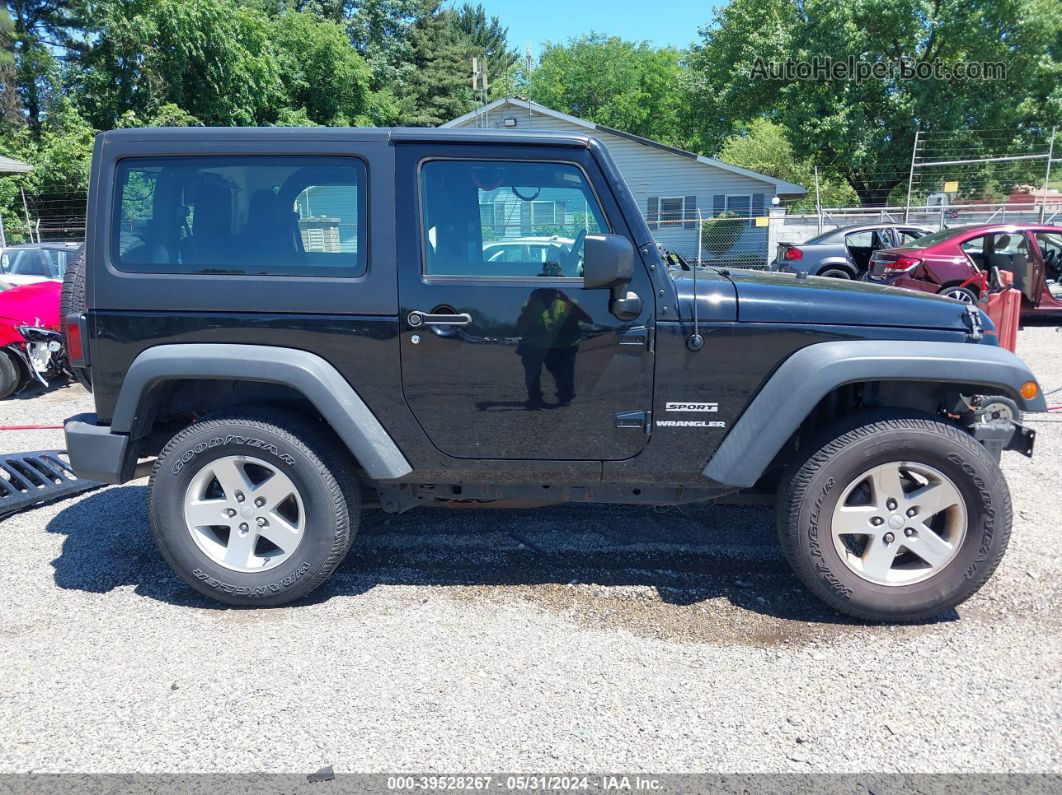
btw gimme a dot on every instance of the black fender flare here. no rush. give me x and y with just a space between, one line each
307 373
811 373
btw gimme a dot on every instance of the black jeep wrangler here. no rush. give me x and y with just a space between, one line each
287 325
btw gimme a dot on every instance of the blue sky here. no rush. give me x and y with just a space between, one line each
670 22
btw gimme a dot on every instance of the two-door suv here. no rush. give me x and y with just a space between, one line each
285 326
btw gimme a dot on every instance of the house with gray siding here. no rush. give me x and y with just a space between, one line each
673 188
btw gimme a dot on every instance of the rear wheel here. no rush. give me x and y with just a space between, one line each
836 273
72 302
895 519
963 295
245 509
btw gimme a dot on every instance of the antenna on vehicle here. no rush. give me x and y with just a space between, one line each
695 341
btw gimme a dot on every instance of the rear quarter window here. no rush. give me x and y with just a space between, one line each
241 216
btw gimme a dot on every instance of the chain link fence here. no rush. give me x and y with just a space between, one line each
728 239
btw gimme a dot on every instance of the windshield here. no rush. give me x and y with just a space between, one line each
937 237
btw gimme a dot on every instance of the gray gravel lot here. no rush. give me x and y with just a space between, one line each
572 638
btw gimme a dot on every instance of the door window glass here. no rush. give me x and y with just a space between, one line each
1050 244
908 236
860 239
241 215
501 219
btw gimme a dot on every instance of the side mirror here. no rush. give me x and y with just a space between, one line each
608 264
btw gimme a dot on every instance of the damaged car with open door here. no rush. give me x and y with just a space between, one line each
844 253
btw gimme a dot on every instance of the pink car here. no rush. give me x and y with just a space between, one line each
31 346
957 263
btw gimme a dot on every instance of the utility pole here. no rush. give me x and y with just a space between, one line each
480 87
818 201
527 62
1047 175
910 179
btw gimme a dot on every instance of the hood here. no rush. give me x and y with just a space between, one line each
783 298
32 305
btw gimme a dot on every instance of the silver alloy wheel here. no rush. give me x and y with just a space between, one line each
244 513
899 523
962 296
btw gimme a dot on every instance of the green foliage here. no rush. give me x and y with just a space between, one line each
763 147
440 87
719 234
487 37
320 71
864 130
622 84
211 58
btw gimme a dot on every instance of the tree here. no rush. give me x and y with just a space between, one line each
211 58
9 105
382 32
320 70
440 86
863 129
486 37
621 84
41 29
763 147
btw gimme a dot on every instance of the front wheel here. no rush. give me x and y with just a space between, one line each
895 519
247 511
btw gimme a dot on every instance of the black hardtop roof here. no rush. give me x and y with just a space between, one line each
410 134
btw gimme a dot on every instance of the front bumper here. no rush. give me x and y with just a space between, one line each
96 453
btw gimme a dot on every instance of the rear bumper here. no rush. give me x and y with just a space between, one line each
95 452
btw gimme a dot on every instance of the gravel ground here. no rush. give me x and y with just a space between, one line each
573 638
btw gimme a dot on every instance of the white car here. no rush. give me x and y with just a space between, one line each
36 262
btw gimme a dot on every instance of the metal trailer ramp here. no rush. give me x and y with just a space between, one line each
28 480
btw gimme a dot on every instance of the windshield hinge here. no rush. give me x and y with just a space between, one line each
974 327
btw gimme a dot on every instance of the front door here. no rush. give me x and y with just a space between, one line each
504 354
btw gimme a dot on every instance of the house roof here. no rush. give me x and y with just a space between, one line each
9 166
783 188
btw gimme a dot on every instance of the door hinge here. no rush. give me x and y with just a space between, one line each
642 420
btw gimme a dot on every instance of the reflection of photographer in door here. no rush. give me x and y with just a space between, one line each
550 335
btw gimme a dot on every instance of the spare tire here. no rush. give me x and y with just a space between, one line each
72 302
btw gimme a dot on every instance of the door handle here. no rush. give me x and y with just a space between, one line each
418 318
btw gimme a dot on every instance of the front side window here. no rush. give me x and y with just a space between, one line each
502 219
241 215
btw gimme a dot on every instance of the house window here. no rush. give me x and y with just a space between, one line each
672 210
739 204
543 213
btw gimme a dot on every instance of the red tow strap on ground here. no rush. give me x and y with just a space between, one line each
31 427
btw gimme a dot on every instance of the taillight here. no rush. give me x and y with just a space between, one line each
793 254
75 346
902 264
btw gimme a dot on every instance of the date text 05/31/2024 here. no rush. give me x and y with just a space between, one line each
518 783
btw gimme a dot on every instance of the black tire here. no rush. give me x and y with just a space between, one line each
296 447
811 493
836 273
10 375
72 302
963 294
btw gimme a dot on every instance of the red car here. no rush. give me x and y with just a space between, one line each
30 341
958 263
